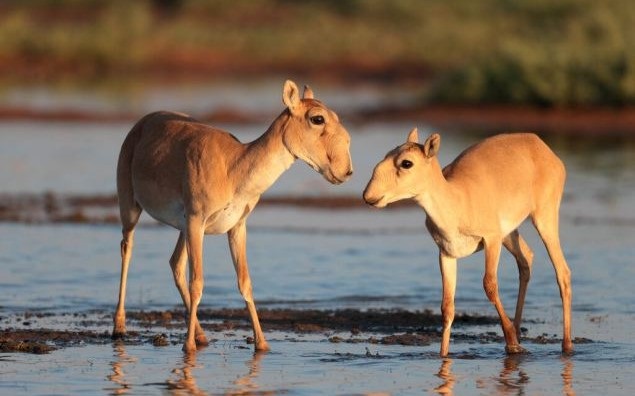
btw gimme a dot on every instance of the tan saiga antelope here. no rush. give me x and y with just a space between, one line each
478 202
201 180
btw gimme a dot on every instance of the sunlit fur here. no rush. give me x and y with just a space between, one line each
478 202
202 180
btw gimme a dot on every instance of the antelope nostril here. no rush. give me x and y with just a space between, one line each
350 172
372 200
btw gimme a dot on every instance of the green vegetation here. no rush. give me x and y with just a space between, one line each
562 53
540 52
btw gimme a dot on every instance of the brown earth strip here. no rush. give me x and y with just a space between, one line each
103 208
389 327
592 122
52 208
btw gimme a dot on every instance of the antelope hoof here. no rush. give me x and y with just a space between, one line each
262 346
201 340
514 349
567 348
189 347
118 333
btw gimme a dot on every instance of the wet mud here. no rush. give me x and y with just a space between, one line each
162 328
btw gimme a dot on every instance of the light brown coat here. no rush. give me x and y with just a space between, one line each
202 180
478 202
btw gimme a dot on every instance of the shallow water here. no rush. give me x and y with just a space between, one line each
325 259
313 367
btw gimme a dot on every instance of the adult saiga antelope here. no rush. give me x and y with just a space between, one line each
201 180
478 202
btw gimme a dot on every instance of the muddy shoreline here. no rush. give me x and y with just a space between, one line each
28 332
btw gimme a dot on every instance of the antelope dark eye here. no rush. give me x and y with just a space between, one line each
406 164
317 120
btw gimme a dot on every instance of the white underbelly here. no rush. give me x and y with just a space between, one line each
458 245
226 218
169 209
172 214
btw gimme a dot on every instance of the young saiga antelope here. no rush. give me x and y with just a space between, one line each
201 180
478 202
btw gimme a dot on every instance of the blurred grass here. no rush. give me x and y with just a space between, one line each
539 52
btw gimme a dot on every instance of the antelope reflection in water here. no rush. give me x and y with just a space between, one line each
514 377
184 374
118 375
445 373
247 383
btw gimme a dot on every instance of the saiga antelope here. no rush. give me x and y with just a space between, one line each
478 202
201 180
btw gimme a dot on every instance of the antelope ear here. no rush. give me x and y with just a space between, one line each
308 93
291 96
431 145
413 136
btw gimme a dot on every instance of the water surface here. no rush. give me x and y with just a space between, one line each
325 259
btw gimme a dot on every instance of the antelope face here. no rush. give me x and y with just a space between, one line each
314 135
403 172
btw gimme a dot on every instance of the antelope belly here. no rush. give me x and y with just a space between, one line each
225 219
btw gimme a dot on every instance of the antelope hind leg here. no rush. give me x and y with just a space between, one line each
237 238
178 264
490 284
517 246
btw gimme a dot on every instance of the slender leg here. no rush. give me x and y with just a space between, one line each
178 263
194 243
448 277
517 246
129 218
237 237
127 243
490 284
547 226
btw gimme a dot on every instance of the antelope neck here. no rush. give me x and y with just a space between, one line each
264 159
441 200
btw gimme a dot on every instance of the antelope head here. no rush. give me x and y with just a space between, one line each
314 134
404 172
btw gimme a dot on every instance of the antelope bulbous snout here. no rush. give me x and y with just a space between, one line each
373 197
338 176
339 166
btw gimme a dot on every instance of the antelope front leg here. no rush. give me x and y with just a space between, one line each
237 237
490 284
448 277
194 243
